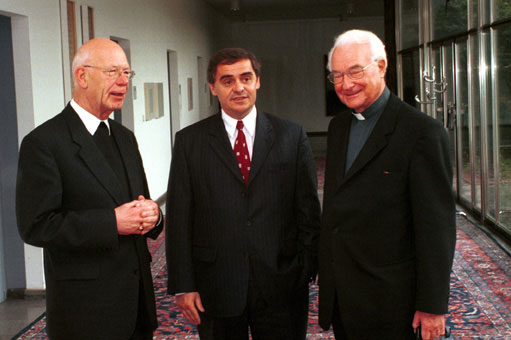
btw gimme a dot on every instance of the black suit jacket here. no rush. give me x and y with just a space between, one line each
388 227
220 233
65 200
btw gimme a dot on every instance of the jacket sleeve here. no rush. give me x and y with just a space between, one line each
433 213
179 222
44 219
155 232
307 207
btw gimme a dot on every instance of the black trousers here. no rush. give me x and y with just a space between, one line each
265 321
143 328
400 331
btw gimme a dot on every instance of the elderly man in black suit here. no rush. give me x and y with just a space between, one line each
243 214
388 227
82 195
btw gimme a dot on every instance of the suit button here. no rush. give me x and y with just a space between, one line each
335 231
249 223
243 194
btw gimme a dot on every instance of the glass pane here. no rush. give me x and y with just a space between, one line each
485 12
449 105
475 110
409 10
474 14
490 194
502 10
503 112
464 121
411 77
449 17
438 105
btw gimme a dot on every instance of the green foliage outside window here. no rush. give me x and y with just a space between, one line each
449 17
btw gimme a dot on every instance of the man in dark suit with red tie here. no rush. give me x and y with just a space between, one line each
388 229
82 195
243 214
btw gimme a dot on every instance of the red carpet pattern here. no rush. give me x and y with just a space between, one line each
480 303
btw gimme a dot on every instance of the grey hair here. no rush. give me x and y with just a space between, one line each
81 58
359 37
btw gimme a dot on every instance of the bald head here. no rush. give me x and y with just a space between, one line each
92 49
96 88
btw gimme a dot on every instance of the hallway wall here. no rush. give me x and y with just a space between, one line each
292 55
152 27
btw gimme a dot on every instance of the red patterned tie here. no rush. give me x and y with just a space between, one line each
241 152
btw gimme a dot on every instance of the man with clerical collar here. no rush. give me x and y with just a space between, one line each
388 228
82 196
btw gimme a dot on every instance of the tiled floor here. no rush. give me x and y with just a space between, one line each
16 314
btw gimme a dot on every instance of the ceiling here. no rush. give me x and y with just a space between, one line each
264 10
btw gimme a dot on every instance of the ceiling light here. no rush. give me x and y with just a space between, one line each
350 8
235 5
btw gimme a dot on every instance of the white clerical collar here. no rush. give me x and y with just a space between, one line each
90 121
359 116
249 123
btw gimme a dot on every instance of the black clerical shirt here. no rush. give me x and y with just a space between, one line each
362 124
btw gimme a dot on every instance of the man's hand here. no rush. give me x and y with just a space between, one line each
137 217
189 303
432 325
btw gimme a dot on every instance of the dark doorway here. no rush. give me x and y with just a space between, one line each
12 249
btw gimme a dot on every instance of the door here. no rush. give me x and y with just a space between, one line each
12 263
125 115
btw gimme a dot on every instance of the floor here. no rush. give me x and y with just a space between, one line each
16 314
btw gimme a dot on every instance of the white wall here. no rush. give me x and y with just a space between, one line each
152 27
291 53
292 57
36 25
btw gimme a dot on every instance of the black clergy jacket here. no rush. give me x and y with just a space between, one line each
388 225
65 199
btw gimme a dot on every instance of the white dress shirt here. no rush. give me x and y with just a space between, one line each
90 121
249 127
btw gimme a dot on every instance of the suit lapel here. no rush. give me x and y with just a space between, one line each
221 145
337 153
263 142
92 155
378 138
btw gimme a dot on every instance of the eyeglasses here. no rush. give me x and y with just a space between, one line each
355 72
114 72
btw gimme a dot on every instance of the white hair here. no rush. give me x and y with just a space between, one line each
81 58
359 37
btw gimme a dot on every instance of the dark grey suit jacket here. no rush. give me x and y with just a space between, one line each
65 200
220 233
388 227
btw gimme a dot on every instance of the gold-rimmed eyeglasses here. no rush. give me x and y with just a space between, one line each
354 72
114 72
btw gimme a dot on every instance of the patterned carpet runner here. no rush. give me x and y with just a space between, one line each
480 303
